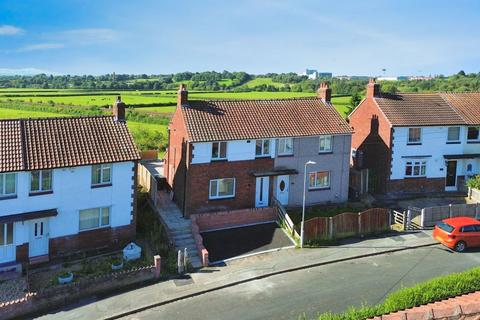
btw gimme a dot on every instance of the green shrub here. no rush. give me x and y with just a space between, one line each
474 182
436 289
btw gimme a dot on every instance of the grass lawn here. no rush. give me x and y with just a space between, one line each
342 104
263 81
137 126
15 114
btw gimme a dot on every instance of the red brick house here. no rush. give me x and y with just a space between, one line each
235 154
416 142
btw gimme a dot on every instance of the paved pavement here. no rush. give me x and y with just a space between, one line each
230 243
236 272
333 287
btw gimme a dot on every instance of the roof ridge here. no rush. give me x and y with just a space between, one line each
57 118
244 100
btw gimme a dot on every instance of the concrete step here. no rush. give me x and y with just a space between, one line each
195 262
185 242
181 232
182 237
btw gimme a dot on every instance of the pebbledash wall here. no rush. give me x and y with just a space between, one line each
72 192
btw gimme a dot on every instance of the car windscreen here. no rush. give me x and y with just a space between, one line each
445 227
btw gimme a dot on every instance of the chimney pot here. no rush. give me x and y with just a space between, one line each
324 92
119 110
373 88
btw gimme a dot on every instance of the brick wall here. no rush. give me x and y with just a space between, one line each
372 137
105 238
22 253
416 185
227 219
199 176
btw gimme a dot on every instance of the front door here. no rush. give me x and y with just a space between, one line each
38 245
451 177
282 189
261 192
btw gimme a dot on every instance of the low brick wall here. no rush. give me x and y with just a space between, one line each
226 219
60 295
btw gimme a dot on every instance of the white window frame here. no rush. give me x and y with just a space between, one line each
219 143
5 235
416 163
40 184
262 149
325 138
3 183
473 140
420 136
100 225
282 143
315 186
217 182
448 134
102 167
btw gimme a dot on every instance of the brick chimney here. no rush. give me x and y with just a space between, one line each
324 92
119 110
373 89
182 95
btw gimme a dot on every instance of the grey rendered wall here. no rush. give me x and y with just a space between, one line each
337 162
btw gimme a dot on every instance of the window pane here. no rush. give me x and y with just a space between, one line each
96 174
325 143
311 180
213 188
105 216
323 179
35 181
2 178
215 152
2 234
416 170
473 133
89 219
289 146
258 148
223 150
423 169
47 180
225 187
453 134
106 176
266 147
10 183
414 134
408 169
9 233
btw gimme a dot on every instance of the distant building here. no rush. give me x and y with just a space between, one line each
314 74
387 79
325 75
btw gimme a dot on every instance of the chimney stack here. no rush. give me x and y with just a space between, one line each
324 92
373 88
182 95
119 110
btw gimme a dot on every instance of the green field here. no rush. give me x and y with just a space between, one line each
263 81
153 108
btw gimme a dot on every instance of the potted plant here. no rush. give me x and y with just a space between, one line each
117 263
65 277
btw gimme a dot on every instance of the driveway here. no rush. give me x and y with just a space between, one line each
229 243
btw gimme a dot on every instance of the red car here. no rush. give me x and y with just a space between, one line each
458 233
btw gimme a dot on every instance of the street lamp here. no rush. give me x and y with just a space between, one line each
303 207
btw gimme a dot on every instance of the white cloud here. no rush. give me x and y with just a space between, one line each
40 46
24 72
7 30
85 36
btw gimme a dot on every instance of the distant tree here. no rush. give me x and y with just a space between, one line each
461 73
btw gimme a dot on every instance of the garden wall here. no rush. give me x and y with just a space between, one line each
347 224
60 295
474 194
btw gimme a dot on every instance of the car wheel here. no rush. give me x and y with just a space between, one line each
460 246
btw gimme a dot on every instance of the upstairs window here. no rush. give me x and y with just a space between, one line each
416 168
453 134
319 180
325 144
285 146
262 148
219 150
41 181
473 134
8 185
101 174
414 136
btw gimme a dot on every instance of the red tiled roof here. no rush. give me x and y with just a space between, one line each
466 104
33 144
428 109
253 119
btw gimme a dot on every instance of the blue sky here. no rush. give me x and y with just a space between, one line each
407 37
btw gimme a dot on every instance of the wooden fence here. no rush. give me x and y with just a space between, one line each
347 224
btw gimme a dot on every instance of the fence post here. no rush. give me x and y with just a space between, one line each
330 228
360 224
390 213
422 218
180 265
158 265
185 260
404 220
450 210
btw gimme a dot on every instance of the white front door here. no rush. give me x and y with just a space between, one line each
7 245
261 192
38 245
282 189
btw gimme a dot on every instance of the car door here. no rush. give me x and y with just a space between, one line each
469 235
476 240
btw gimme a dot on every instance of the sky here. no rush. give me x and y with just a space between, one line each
346 37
